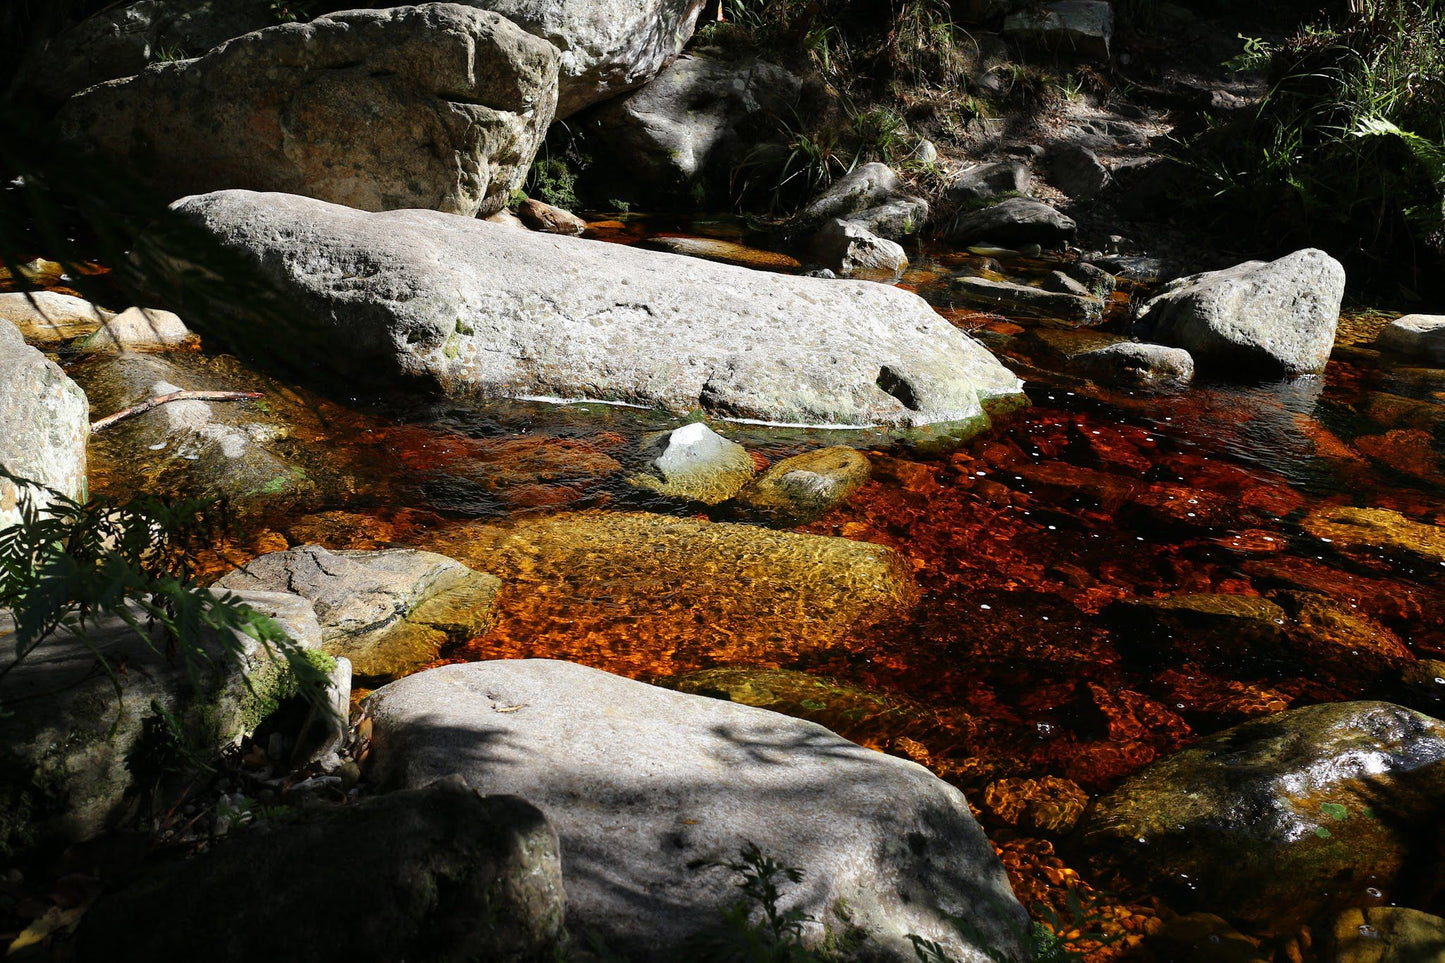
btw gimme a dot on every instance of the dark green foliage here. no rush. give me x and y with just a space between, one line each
556 173
1347 151
65 566
755 928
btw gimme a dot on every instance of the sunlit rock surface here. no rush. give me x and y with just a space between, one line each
389 612
44 427
465 307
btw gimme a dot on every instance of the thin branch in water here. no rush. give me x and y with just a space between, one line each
159 400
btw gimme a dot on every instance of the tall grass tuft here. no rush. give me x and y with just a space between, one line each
1347 149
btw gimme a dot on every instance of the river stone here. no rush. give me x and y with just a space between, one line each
1082 27
1100 283
803 488
455 101
694 462
428 875
836 705
607 47
389 612
1418 337
1020 300
1388 934
1276 317
1076 170
851 250
1017 220
44 427
644 784
469 308
1132 364
1212 629
69 763
548 219
658 588
983 181
49 318
873 187
1280 817
1352 529
694 123
139 329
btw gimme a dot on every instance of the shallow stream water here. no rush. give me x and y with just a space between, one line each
1008 665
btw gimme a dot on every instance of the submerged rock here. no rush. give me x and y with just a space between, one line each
71 759
468 308
1352 529
838 706
1277 317
1282 816
48 318
1017 220
1418 337
645 786
389 612
455 100
1387 934
44 427
235 450
694 462
803 488
607 47
726 252
434 874
655 588
852 251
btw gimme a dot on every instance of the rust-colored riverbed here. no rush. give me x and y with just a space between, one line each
1004 672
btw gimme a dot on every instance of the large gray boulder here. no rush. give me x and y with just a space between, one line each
436 106
388 612
69 756
120 41
695 122
44 427
435 875
644 784
608 47
1281 816
466 307
1273 317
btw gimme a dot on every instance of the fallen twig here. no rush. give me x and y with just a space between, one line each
159 400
